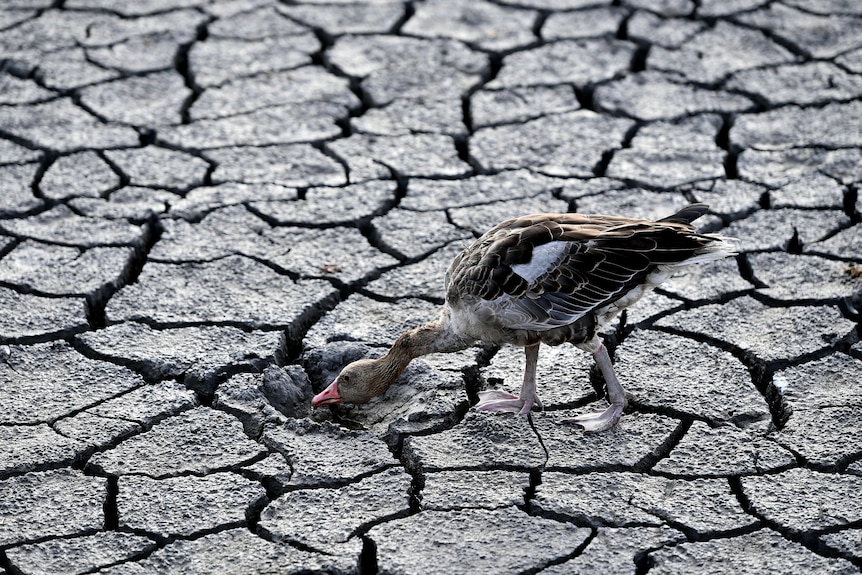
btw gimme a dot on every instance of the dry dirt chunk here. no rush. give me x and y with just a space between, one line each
149 52
717 52
480 441
235 550
752 553
54 270
667 154
172 506
28 447
375 323
218 60
476 541
200 201
772 334
787 166
569 144
802 84
62 226
796 127
372 157
158 99
71 68
480 24
819 36
617 549
331 206
309 121
401 67
56 503
326 518
446 490
303 85
403 117
193 293
255 24
785 228
579 62
802 500
88 552
520 103
95 432
726 450
396 230
655 95
703 506
81 174
117 418
797 278
339 19
829 437
44 381
62 126
210 441
671 372
588 23
485 441
286 165
323 454
198 355
632 442
160 168
45 317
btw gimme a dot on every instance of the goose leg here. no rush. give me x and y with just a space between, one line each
602 420
496 400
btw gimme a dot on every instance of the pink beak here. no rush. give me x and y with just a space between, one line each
328 396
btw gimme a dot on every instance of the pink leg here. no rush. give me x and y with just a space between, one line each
602 420
496 400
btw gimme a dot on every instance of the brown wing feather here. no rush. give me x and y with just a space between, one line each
602 259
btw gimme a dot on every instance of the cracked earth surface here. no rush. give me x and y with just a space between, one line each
209 207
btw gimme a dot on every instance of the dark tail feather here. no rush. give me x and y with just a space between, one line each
687 215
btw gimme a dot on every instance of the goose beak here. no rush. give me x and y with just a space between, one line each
328 396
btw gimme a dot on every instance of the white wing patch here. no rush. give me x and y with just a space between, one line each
545 257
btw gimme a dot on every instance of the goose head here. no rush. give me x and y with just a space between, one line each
357 383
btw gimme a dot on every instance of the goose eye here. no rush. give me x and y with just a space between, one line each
344 379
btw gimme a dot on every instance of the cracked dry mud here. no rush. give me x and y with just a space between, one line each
208 207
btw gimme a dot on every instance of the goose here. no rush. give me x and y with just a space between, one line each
542 278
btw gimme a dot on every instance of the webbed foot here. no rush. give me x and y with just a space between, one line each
599 420
496 400
602 420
